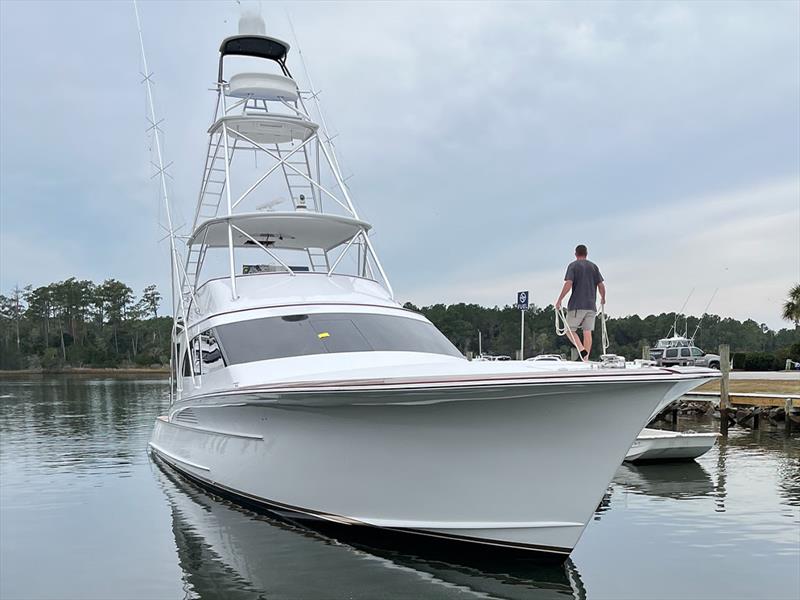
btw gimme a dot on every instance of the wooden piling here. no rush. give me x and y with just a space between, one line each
788 409
724 387
645 352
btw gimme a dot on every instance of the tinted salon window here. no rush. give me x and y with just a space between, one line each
299 335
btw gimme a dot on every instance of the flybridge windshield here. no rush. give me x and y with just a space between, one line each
301 334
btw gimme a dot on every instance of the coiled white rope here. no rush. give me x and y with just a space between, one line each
603 331
563 328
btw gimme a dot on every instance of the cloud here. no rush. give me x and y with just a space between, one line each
484 139
654 257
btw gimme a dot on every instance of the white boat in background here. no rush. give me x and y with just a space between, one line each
302 387
492 357
660 445
546 358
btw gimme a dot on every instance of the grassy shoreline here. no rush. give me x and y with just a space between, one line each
755 386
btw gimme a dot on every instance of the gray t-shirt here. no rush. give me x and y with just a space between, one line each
584 276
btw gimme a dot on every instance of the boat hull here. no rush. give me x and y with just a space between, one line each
513 466
656 445
219 544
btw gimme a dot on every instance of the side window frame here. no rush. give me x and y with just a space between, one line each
185 369
219 362
191 353
196 352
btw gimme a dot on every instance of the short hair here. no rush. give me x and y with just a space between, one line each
580 250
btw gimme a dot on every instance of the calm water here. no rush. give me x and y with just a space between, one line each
84 513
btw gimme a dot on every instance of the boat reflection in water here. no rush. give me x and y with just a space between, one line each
227 551
679 480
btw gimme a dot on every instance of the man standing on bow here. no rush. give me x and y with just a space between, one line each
584 279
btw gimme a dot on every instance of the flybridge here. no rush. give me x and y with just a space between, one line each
289 230
271 182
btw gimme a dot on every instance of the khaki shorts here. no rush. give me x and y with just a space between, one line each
581 319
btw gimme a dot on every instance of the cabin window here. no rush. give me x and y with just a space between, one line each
194 348
205 354
210 353
187 370
301 334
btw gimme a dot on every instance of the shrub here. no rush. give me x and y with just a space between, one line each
759 361
50 359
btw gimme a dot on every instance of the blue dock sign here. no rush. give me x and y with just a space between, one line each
522 300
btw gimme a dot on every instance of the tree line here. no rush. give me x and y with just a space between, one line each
79 323
753 344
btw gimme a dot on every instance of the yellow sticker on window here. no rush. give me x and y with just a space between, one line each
324 334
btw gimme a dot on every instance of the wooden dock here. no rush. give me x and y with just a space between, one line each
747 399
749 405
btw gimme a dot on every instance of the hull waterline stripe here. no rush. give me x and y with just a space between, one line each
277 507
396 524
486 542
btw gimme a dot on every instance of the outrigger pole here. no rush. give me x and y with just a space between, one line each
162 175
680 312
705 310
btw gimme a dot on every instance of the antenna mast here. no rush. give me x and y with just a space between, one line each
705 310
675 322
162 175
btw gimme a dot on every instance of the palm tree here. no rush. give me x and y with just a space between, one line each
791 308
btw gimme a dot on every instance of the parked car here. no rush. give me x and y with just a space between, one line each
681 351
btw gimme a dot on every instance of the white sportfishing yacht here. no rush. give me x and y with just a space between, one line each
303 387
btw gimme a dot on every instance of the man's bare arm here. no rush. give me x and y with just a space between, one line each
601 287
564 291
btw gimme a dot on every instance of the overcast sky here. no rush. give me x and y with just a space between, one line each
484 142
